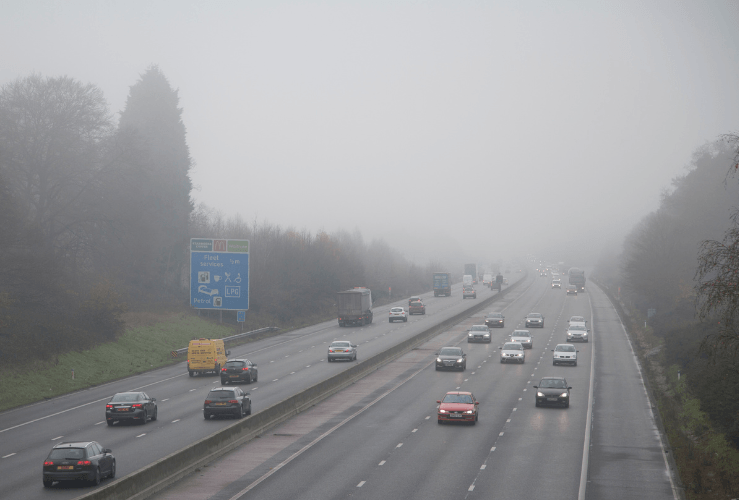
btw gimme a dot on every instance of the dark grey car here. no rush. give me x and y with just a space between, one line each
451 358
553 391
239 370
134 406
227 401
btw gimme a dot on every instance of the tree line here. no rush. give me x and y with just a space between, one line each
682 263
96 216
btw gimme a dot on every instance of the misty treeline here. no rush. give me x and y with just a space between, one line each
682 261
295 275
96 216
94 211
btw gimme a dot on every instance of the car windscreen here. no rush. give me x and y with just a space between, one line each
457 398
577 327
512 347
397 309
565 348
344 345
220 395
495 315
549 383
235 364
577 319
125 398
67 453
534 315
479 328
450 352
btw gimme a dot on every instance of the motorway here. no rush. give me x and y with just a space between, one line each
287 363
380 439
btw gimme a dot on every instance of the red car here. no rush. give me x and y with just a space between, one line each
457 406
417 307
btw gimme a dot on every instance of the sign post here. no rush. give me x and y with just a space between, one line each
219 274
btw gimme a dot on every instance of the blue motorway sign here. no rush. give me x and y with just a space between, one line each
219 274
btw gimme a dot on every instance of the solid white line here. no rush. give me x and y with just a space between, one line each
6 456
589 416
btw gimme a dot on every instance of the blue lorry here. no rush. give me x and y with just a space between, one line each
442 284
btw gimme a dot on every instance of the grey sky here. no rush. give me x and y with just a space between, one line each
493 127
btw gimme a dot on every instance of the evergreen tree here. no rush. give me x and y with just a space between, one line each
152 112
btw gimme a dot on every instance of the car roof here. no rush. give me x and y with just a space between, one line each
74 444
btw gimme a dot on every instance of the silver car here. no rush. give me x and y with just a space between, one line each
478 333
342 349
512 351
565 354
534 319
397 314
577 332
523 337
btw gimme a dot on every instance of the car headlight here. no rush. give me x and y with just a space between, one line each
443 411
460 360
540 394
469 334
486 335
438 360
469 412
563 395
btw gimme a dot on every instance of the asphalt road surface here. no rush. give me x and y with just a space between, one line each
287 364
380 439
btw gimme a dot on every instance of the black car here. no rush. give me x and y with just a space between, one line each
451 358
496 320
553 391
82 460
239 370
133 406
227 401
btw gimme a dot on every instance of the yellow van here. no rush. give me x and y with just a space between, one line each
206 356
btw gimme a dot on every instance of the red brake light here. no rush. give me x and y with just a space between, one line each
208 401
245 368
109 406
137 405
232 401
84 462
223 369
48 462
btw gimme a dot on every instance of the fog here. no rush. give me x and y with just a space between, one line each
478 130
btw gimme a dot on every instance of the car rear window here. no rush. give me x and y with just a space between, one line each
220 395
67 453
397 309
124 398
235 364
534 315
512 347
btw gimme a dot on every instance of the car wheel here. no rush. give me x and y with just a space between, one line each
96 478
146 417
389 321
248 412
567 404
424 312
477 417
437 368
554 363
224 382
438 421
112 470
190 372
49 482
206 415
156 411
329 360
256 376
575 364
240 413
110 422
537 403
405 320
249 380
501 361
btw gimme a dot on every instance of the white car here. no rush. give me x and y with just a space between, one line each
523 337
512 351
577 332
565 354
478 333
556 283
398 314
